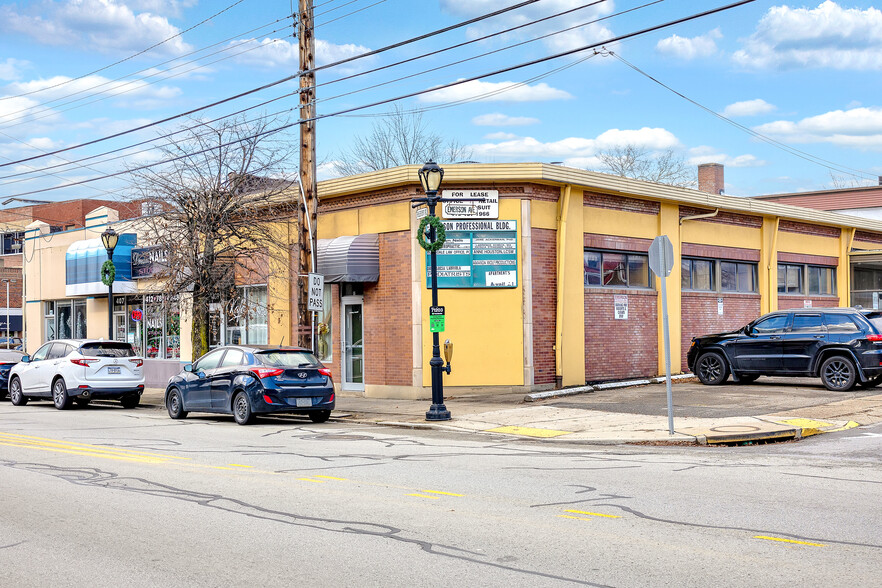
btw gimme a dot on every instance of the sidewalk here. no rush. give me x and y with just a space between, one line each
508 415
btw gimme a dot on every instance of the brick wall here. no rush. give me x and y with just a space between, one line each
544 244
619 203
12 274
868 237
700 315
616 349
723 217
807 229
388 332
788 302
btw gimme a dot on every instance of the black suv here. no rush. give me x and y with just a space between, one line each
842 346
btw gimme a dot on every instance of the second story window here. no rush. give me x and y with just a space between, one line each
737 276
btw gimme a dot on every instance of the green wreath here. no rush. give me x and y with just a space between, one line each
108 273
440 235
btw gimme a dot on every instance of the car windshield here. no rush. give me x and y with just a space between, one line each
287 358
875 319
10 356
107 349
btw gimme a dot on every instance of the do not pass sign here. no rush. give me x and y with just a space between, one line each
316 295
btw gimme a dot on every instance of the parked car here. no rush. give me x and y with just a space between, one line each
78 370
14 343
8 358
246 381
842 346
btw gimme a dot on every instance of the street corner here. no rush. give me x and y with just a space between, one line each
742 430
809 427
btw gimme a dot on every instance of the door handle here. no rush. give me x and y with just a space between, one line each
818 336
776 337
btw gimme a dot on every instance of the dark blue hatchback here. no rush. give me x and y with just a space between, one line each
247 381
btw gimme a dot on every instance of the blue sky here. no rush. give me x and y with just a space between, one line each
805 76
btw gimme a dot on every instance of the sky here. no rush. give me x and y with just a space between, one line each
785 95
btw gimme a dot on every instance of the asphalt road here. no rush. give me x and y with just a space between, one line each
113 497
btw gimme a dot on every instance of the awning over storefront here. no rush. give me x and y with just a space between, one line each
83 262
350 259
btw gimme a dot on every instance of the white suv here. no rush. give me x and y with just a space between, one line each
78 370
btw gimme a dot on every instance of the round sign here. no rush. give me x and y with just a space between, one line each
137 315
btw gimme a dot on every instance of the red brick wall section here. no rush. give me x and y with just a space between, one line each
715 252
388 333
807 229
802 258
619 203
701 316
13 274
723 217
868 237
544 304
788 302
617 349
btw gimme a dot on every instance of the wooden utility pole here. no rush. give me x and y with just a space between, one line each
309 211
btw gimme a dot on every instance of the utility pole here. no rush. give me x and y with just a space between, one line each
309 207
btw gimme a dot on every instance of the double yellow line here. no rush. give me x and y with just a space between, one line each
69 447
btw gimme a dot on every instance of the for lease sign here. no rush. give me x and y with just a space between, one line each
466 204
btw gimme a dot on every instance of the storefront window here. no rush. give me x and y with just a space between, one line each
246 322
325 327
173 329
154 315
135 318
79 319
49 315
64 328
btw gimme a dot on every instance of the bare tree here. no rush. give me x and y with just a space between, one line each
218 213
632 161
401 138
841 181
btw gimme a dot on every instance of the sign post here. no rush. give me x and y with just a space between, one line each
661 262
315 301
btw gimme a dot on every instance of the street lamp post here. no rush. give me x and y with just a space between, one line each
109 239
431 175
7 311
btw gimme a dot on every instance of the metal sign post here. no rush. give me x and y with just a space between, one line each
661 262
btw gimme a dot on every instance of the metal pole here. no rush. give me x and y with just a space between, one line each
667 337
437 412
7 313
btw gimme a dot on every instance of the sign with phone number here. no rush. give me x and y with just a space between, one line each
477 254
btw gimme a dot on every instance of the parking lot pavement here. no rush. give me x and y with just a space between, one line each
767 410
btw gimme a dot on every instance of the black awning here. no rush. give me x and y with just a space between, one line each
350 259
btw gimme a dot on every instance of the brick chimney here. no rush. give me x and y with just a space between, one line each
710 178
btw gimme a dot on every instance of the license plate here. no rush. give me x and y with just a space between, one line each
114 370
304 402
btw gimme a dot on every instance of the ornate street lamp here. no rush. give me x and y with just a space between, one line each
431 175
109 238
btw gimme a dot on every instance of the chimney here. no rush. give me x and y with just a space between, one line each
880 180
710 178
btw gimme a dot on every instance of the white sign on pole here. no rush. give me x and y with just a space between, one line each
316 298
489 208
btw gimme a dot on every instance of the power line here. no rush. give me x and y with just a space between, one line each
154 46
275 83
412 94
775 143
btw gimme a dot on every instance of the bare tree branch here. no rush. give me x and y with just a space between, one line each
632 161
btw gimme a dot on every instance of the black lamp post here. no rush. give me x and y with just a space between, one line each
109 239
431 175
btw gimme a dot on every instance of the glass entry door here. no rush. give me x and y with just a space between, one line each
352 363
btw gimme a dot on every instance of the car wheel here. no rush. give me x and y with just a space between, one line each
711 368
320 416
242 409
130 401
838 373
16 396
60 397
82 402
175 404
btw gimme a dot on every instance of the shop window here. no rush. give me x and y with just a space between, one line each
616 270
738 277
325 327
247 320
821 280
790 279
49 320
697 274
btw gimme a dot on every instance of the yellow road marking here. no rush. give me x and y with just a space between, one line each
424 496
593 514
311 480
92 454
848 425
788 541
70 447
218 468
332 478
577 518
806 423
443 493
529 431
239 465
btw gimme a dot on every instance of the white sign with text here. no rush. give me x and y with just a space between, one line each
489 208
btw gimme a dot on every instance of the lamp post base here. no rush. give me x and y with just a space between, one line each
438 412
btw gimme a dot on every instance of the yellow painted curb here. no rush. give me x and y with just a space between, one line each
812 427
529 432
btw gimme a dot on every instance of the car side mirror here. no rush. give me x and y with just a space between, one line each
188 367
25 359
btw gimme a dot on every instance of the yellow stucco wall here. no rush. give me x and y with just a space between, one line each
604 221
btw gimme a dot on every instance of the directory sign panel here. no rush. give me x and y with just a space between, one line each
477 254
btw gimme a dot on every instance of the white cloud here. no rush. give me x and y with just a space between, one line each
706 154
500 136
576 38
498 119
101 25
327 170
130 93
496 91
10 69
166 7
690 48
828 36
858 128
575 151
275 53
748 108
20 110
